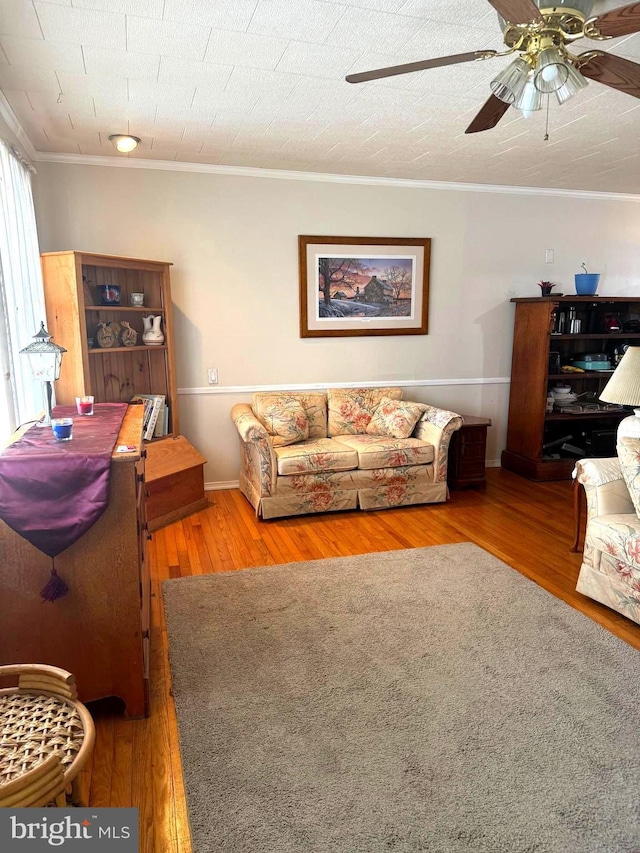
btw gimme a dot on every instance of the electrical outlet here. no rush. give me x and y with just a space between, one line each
212 373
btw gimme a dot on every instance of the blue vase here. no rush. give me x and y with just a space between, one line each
587 283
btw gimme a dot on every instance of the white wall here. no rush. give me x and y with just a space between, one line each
233 242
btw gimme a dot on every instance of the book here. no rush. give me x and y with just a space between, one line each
158 400
159 430
147 401
153 404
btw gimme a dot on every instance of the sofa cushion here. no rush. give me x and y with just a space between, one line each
629 458
356 478
380 452
285 424
314 404
321 455
351 409
395 418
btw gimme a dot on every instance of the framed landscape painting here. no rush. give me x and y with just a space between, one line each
363 286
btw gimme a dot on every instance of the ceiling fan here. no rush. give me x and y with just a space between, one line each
540 33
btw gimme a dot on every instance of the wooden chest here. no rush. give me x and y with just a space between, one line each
174 480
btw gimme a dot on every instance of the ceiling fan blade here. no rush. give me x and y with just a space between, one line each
614 71
489 115
420 66
517 11
619 22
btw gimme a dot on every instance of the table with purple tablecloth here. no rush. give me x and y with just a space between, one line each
99 628
52 492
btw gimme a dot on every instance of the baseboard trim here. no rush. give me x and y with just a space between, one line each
206 390
220 485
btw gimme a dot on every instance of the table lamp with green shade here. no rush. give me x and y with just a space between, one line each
624 389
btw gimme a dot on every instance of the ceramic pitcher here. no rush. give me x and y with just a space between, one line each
152 335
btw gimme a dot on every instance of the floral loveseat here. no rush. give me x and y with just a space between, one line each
344 448
610 571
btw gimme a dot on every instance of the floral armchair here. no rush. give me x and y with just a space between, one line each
610 571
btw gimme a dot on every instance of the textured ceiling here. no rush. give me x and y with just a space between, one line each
261 83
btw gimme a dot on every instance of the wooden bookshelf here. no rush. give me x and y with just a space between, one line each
111 374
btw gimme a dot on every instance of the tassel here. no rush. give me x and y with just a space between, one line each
55 587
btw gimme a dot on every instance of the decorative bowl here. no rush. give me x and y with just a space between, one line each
109 294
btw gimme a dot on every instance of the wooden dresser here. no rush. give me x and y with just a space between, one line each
99 631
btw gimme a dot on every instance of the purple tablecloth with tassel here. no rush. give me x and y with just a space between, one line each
52 492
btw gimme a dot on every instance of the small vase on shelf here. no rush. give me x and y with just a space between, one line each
104 336
128 336
152 335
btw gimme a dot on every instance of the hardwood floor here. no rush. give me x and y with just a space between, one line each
528 525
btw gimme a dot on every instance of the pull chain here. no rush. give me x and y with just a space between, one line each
546 129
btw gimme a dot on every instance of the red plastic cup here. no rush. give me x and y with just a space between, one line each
84 405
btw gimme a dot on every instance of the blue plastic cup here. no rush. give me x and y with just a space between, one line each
62 429
587 283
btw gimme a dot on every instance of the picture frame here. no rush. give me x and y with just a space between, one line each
356 286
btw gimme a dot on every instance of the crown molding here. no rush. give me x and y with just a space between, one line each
243 390
8 115
288 175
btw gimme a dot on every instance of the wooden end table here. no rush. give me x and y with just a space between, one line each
467 454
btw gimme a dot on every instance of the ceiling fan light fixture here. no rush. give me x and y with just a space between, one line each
510 82
123 142
530 99
574 83
551 71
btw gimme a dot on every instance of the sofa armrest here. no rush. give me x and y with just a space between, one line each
604 486
437 426
258 458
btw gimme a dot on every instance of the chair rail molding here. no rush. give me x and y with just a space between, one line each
355 383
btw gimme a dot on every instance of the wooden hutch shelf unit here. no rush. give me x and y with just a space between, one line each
115 374
536 438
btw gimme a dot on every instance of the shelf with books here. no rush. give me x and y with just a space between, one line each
155 422
543 445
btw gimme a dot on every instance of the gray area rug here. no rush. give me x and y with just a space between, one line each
429 699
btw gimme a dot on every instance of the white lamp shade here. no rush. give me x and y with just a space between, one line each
45 357
508 85
624 386
45 366
624 389
530 99
551 71
574 83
